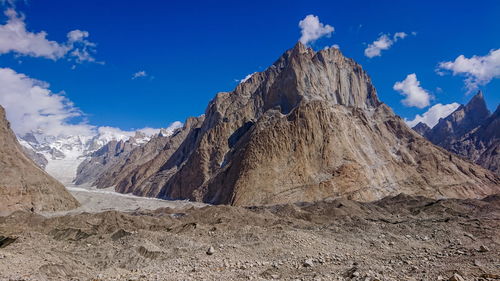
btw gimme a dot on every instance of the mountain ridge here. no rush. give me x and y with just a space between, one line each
308 127
471 131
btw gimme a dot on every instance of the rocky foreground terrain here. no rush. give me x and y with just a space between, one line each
396 238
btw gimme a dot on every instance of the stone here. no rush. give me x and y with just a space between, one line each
456 277
308 263
210 251
483 249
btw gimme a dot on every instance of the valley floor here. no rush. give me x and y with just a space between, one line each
95 200
397 238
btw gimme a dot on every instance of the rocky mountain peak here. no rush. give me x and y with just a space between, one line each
308 127
465 118
476 108
421 128
299 75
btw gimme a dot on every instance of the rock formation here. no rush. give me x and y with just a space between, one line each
421 128
465 118
471 132
24 185
310 126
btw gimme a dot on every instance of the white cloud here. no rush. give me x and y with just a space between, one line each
77 35
400 35
478 70
15 38
383 42
312 29
139 74
31 106
431 117
415 95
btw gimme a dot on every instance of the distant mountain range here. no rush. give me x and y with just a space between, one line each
61 155
471 131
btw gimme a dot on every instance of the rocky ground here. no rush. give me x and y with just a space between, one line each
397 238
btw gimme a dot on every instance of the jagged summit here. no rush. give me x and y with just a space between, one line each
471 132
465 118
308 127
421 128
302 74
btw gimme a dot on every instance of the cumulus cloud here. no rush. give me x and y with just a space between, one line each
431 117
31 106
15 38
415 95
139 74
478 70
312 29
383 42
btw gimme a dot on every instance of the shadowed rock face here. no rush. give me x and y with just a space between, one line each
465 118
309 127
471 132
482 144
23 185
421 128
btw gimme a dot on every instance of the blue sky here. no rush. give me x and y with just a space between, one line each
191 50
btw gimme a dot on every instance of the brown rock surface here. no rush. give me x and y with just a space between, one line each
23 185
393 239
308 127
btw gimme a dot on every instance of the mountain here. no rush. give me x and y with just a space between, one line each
421 128
121 165
482 144
465 118
471 132
310 126
60 156
117 154
24 185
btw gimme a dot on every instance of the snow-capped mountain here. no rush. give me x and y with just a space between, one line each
63 154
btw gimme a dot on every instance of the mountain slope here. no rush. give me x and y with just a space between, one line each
23 185
471 132
465 118
482 144
309 127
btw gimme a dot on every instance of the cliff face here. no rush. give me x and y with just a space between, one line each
421 128
482 144
471 132
308 127
465 118
23 185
